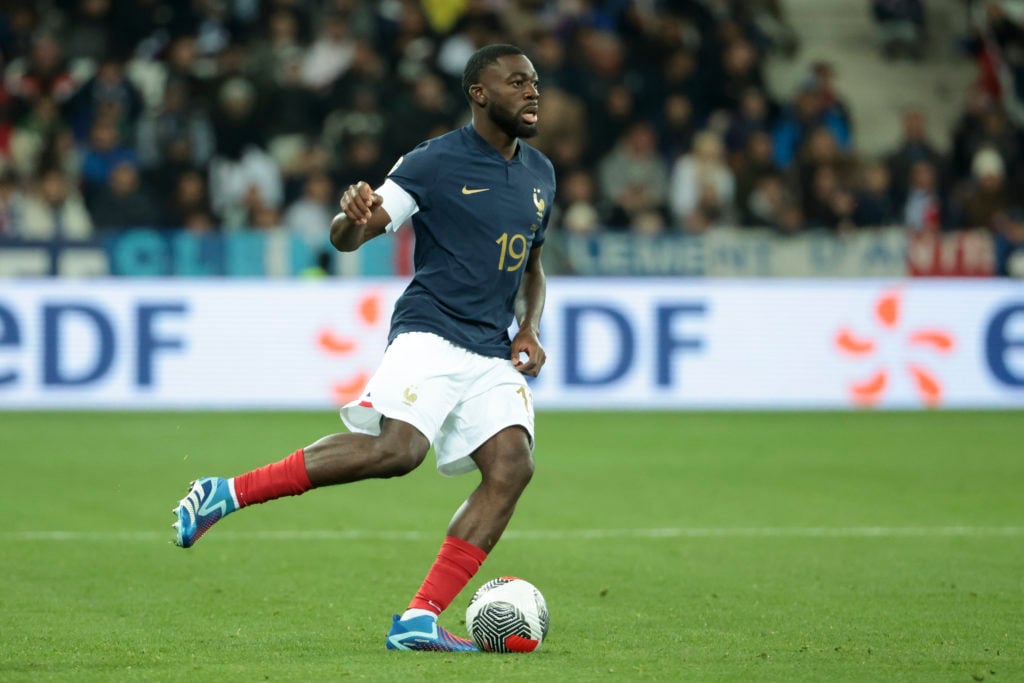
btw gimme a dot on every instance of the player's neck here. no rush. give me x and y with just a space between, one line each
499 139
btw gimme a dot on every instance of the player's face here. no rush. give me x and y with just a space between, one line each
512 95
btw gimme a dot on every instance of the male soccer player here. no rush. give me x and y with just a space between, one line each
479 199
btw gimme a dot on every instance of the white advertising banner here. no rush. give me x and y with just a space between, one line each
611 343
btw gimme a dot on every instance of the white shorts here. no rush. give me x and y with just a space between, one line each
457 398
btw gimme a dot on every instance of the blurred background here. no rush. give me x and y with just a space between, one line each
764 143
125 125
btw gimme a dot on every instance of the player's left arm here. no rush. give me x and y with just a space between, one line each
529 308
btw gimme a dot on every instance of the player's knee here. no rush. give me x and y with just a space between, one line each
513 473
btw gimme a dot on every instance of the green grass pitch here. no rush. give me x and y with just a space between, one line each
669 546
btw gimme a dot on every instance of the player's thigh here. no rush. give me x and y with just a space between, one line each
418 382
498 400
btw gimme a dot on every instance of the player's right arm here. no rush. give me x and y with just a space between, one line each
362 217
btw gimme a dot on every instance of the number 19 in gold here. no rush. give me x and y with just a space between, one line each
513 249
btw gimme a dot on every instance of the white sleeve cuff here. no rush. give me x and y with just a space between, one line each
399 204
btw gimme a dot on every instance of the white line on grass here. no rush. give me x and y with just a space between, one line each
536 534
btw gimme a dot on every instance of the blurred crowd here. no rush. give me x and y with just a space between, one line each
218 115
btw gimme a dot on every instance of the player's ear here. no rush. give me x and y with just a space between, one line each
477 94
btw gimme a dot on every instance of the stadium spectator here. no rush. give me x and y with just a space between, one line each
262 216
676 127
986 196
741 72
124 202
87 29
823 79
756 163
753 115
368 72
281 49
363 118
901 27
43 73
241 165
819 198
104 151
11 200
1009 243
766 202
53 210
330 55
109 95
181 64
703 187
177 130
577 203
188 199
22 24
820 150
634 176
289 137
33 133
913 147
306 217
807 113
875 197
408 41
610 118
423 112
924 209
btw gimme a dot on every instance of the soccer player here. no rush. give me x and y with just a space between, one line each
479 199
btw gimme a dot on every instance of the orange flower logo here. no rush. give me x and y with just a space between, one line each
868 392
334 344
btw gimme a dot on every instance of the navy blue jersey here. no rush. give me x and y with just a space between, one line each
479 216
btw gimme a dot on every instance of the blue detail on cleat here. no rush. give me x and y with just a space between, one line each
423 633
209 500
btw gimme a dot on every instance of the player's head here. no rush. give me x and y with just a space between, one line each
501 83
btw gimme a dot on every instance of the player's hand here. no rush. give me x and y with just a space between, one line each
526 343
359 202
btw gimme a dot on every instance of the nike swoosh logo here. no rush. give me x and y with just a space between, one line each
466 190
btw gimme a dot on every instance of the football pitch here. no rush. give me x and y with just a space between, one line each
669 546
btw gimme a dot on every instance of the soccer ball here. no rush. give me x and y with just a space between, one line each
507 614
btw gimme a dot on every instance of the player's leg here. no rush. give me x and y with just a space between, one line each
334 459
505 462
414 396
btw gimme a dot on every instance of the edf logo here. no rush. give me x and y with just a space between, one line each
79 342
619 335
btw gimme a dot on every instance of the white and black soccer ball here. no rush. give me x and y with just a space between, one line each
507 614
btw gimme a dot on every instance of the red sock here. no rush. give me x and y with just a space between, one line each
285 478
456 564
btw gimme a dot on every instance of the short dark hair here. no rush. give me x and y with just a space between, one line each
481 59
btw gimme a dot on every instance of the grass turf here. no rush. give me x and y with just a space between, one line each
821 546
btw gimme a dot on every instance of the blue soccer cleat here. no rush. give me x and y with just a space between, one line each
209 499
423 633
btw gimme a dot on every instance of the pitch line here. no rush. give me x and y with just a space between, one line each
537 534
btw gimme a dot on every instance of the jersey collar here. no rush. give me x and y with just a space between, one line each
488 148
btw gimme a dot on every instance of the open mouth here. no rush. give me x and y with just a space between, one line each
529 115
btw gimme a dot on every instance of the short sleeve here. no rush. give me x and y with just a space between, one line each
399 204
415 173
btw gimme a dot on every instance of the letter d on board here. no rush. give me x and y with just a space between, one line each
55 344
621 342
